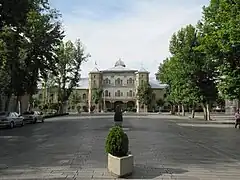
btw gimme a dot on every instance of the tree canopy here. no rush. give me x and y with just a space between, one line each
31 43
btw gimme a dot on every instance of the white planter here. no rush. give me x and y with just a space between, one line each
120 166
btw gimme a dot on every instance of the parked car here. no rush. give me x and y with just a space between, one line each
33 116
11 119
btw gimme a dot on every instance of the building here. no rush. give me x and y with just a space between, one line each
118 84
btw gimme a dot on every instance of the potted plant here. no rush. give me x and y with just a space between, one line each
120 161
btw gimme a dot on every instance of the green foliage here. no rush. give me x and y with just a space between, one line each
117 142
144 93
30 33
97 95
70 58
160 102
189 73
220 32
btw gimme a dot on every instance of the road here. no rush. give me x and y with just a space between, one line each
163 148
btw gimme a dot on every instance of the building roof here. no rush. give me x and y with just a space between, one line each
95 70
155 84
84 84
143 70
119 67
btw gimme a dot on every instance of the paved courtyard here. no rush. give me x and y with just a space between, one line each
163 148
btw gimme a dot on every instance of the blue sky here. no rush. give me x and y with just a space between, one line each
138 31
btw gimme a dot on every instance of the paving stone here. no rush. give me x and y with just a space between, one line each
162 149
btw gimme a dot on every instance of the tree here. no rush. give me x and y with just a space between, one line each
70 58
160 103
190 73
221 41
97 97
144 94
27 43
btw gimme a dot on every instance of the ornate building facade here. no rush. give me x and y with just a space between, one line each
119 85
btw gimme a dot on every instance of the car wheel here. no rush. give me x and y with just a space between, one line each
22 123
42 120
11 125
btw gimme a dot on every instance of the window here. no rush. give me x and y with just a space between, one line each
127 94
118 81
133 93
84 96
165 95
94 82
121 93
107 81
130 93
106 93
142 75
109 94
118 93
130 81
94 76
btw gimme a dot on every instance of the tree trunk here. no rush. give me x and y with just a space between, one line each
204 112
61 108
18 107
193 112
7 101
173 109
97 107
208 112
183 110
30 102
179 109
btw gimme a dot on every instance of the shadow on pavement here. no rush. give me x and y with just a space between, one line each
147 172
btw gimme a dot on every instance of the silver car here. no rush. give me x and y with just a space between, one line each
33 116
10 119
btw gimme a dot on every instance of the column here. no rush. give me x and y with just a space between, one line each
89 100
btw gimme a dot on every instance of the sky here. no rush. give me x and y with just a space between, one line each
137 31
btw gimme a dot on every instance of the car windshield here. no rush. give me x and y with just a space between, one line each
28 113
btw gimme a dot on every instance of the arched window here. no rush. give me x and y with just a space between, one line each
130 93
109 94
106 93
84 96
130 81
109 82
118 81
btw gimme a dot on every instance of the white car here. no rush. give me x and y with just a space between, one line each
33 116
10 119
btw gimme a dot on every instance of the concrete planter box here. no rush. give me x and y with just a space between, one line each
120 166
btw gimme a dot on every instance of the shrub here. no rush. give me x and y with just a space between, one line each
117 142
92 108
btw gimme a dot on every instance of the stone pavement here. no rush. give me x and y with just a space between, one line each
73 148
